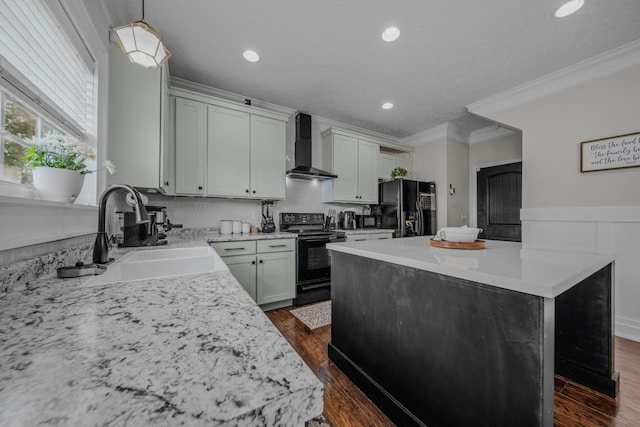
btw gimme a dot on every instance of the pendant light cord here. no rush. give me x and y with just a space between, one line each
142 10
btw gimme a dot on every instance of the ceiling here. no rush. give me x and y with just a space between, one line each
326 58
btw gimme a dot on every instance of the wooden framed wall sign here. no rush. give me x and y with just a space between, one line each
615 152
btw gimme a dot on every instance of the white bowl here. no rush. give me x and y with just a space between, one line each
459 234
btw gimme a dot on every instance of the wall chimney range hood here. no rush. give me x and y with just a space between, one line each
303 168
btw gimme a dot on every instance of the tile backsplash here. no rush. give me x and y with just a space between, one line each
198 212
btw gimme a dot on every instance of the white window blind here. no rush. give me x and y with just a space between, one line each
41 61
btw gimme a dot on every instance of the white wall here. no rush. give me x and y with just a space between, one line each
592 212
552 129
490 152
458 178
501 149
429 164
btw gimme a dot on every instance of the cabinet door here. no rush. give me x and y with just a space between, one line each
386 164
243 268
368 154
345 165
229 152
167 153
276 277
190 128
268 150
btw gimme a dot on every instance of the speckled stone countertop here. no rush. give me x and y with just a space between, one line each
186 350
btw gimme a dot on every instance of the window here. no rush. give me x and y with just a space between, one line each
20 128
46 81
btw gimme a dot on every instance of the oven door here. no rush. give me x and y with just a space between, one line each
314 263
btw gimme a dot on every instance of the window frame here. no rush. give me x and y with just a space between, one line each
12 83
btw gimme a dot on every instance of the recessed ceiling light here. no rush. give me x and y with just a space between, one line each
387 106
390 34
251 56
568 8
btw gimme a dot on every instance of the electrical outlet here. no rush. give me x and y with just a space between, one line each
463 216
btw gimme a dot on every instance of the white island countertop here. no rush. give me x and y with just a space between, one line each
506 265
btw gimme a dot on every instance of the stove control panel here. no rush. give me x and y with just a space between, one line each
289 219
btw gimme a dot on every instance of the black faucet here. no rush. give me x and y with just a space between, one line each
101 245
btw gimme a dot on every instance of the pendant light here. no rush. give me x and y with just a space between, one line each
142 43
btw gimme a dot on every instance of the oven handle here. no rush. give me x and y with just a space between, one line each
326 240
317 285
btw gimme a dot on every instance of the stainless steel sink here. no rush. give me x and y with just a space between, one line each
155 263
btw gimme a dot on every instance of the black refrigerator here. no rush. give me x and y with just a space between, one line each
408 207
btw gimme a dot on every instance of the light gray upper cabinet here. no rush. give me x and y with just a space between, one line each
190 142
230 150
246 157
268 152
355 161
138 106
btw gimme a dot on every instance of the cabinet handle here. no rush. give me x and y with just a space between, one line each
199 187
166 183
234 249
254 191
260 261
253 262
277 246
246 191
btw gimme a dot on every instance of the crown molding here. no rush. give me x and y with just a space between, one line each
230 96
356 129
489 133
609 62
429 136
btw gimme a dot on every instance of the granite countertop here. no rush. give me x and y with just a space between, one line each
503 264
188 350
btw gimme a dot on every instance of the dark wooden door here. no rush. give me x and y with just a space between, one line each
499 202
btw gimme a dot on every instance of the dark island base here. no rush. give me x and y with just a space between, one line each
439 351
584 350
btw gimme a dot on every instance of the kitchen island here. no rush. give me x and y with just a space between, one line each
183 350
445 337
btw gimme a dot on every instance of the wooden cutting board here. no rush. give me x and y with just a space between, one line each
478 244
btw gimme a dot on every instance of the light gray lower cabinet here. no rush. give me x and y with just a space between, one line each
265 269
371 236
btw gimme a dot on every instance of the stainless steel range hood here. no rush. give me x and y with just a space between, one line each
303 168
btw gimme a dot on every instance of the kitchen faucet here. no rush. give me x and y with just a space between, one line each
101 245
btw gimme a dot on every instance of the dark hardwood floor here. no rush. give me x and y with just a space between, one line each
575 406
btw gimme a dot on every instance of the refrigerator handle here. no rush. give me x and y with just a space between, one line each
419 219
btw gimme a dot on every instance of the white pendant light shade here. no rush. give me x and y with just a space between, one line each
142 43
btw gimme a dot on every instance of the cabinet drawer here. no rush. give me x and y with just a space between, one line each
235 248
358 237
382 236
276 245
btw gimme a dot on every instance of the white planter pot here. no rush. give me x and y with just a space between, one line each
58 185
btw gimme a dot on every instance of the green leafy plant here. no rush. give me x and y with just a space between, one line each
399 172
62 152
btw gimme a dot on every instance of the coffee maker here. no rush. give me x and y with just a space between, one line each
152 233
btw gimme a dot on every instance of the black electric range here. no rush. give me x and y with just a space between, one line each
313 263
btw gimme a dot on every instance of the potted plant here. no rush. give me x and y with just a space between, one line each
58 165
399 173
